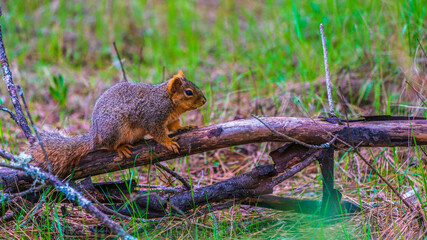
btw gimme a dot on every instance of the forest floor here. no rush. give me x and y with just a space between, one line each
249 57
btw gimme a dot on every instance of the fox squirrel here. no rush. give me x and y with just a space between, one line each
122 115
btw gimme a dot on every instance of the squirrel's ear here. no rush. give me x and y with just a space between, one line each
174 84
180 74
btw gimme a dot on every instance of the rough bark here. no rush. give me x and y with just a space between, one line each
259 181
367 134
364 133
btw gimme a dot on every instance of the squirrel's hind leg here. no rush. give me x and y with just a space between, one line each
112 140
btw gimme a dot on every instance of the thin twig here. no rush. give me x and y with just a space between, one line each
21 93
141 60
32 190
297 168
217 207
120 61
324 145
175 175
386 182
422 49
163 73
7 218
419 95
12 115
156 188
328 79
424 151
7 78
346 116
30 215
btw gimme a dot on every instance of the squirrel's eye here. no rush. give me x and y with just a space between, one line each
189 92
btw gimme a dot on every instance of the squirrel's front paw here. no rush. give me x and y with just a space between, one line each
173 146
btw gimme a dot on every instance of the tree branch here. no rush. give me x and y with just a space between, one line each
70 193
7 78
12 115
328 79
311 131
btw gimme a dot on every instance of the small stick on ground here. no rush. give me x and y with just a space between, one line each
175 175
120 61
21 93
328 79
217 207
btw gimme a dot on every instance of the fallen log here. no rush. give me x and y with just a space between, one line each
259 181
312 131
390 133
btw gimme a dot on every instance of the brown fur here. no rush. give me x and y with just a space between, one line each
122 115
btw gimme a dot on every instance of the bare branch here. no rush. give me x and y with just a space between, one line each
419 95
71 193
328 79
31 190
21 93
12 115
7 78
293 170
422 49
324 145
120 61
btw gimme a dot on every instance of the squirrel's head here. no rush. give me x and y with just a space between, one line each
184 93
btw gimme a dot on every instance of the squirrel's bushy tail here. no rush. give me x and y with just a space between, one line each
64 152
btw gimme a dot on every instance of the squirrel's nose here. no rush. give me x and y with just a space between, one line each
204 100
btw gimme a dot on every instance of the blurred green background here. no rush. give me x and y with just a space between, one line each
224 46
